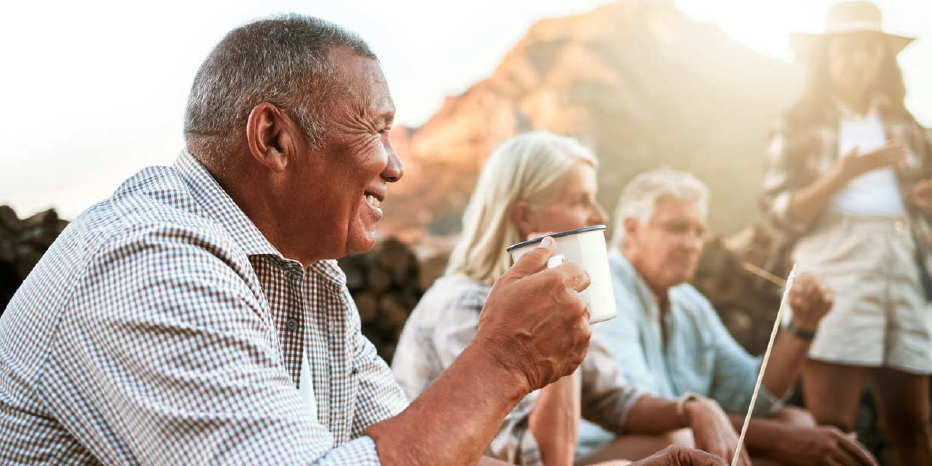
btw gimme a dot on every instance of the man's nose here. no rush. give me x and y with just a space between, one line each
395 168
694 241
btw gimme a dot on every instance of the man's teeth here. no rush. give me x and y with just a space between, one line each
372 200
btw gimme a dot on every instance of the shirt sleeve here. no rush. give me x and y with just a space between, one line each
175 361
781 178
735 372
607 397
379 396
621 338
514 442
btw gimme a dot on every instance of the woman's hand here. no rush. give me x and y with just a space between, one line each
854 163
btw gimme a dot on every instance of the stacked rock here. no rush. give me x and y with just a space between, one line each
385 284
22 243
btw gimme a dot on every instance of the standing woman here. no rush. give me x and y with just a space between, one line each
847 180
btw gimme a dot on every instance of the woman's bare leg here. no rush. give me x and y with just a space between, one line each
903 404
833 392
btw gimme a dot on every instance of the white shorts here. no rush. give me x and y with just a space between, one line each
881 316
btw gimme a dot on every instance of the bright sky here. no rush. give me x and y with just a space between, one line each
95 90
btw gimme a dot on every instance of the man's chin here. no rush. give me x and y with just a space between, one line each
682 276
361 242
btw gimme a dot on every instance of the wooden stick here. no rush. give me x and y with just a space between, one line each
762 273
784 302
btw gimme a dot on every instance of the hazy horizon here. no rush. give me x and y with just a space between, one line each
97 94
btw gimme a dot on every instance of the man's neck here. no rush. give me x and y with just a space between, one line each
251 197
660 292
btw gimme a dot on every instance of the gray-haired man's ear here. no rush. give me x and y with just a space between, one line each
271 137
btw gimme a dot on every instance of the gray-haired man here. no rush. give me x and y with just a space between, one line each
671 343
196 317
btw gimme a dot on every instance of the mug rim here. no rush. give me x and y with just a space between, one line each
561 234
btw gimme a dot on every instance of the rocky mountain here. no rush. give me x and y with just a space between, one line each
637 81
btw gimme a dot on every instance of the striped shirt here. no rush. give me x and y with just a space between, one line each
162 328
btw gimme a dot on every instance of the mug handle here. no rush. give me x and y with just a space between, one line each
555 260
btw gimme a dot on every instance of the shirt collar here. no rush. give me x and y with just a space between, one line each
220 206
878 105
644 293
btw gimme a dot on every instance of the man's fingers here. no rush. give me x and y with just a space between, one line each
856 451
700 458
532 261
681 456
574 276
844 459
827 294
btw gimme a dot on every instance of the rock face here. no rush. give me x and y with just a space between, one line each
636 81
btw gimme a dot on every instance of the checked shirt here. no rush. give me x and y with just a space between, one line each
162 328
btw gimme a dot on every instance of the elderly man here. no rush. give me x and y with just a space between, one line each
197 317
670 341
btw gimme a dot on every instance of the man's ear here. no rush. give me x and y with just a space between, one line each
271 137
631 227
523 217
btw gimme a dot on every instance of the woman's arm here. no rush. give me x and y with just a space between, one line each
810 201
554 421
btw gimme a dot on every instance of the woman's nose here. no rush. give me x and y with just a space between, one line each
599 217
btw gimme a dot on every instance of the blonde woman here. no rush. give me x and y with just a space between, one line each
540 182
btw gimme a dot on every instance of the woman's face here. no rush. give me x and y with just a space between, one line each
572 204
854 62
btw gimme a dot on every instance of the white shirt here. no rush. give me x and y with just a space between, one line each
875 193
306 388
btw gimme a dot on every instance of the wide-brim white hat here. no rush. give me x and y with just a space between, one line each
855 17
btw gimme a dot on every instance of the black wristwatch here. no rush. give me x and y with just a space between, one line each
806 335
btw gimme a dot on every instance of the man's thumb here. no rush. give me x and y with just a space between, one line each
533 261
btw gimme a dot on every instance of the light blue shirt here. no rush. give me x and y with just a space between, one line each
700 356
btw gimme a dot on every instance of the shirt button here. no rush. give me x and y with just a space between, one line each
292 324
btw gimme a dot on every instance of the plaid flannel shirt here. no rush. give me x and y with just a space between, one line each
162 328
445 322
798 156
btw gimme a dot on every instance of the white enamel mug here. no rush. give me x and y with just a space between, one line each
584 247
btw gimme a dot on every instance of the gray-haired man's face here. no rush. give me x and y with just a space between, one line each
666 249
346 181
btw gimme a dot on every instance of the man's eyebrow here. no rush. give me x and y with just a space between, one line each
386 116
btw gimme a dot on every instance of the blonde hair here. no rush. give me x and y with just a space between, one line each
639 198
526 167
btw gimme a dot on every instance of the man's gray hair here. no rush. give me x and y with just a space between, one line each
283 60
639 198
